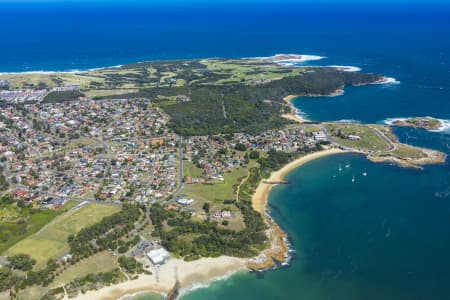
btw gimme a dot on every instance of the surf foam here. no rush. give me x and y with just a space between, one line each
346 68
387 80
289 59
445 123
60 72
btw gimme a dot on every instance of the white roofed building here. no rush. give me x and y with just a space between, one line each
158 256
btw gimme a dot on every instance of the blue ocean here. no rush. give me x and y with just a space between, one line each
384 236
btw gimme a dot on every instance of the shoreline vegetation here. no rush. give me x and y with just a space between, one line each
189 275
278 252
206 270
191 97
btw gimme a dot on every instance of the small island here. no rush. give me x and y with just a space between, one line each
154 176
427 123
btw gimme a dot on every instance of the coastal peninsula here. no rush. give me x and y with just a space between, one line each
154 176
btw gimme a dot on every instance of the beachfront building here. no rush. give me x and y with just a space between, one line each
158 256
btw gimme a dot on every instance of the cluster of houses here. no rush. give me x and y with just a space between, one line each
121 150
115 120
141 172
66 88
216 155
106 150
23 95
27 95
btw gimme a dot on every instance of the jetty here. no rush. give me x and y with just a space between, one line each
174 292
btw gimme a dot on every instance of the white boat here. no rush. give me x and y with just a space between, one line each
353 179
347 165
340 168
364 173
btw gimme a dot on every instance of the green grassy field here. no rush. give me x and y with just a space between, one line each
99 93
235 70
216 192
101 262
405 151
246 71
369 139
191 170
16 224
51 240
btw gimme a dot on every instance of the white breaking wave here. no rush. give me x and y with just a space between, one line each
338 93
60 72
445 126
289 59
391 121
387 80
348 121
346 68
196 286
445 123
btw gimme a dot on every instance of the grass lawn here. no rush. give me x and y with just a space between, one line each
94 93
312 129
405 151
101 262
216 192
17 224
51 241
240 71
369 139
191 170
32 292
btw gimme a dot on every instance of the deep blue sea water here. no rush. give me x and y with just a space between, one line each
386 236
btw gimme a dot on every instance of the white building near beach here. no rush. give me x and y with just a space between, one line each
158 256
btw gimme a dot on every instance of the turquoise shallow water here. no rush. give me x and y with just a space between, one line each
384 236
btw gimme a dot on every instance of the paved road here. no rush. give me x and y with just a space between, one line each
6 173
385 138
181 168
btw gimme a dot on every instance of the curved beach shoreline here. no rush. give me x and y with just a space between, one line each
189 274
262 191
207 270
278 251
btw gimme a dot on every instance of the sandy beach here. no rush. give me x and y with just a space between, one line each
278 252
206 270
262 191
293 115
162 281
